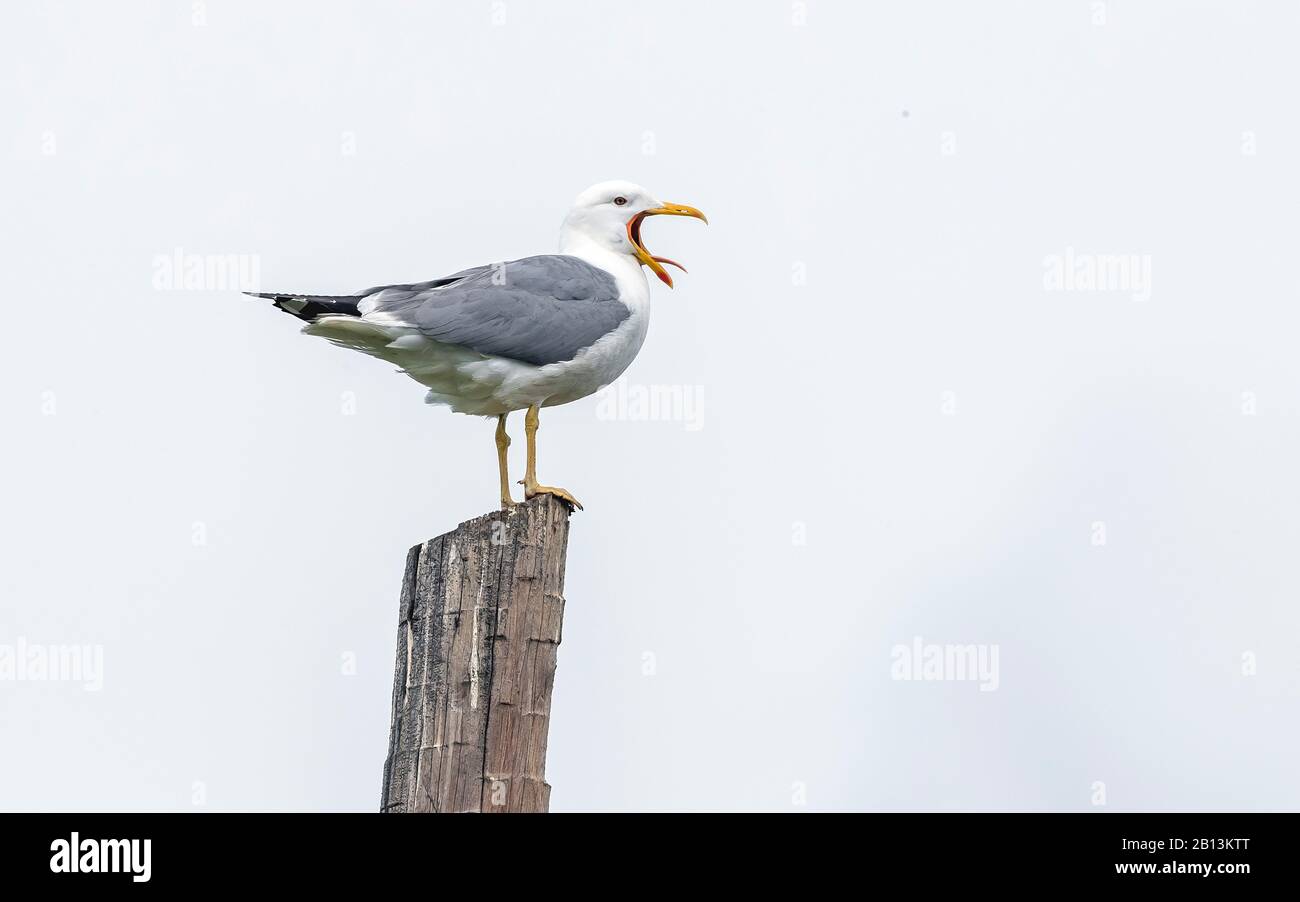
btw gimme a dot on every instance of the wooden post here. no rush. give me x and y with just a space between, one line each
477 635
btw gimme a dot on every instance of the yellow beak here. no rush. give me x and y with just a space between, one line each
647 258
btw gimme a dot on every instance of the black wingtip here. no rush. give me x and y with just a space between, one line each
308 307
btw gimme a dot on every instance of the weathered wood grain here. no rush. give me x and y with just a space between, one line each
477 634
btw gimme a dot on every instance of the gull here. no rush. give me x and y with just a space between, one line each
521 335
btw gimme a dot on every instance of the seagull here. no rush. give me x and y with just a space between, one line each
522 335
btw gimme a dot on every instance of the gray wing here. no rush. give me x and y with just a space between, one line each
538 310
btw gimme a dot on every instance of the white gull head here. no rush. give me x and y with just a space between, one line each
606 219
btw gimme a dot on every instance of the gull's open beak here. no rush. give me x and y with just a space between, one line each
649 259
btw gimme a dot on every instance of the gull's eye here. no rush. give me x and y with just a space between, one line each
620 201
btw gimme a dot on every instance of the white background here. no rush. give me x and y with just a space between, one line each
884 183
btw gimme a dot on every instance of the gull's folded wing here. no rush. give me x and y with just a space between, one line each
537 310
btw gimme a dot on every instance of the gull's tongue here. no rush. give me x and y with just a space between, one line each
669 262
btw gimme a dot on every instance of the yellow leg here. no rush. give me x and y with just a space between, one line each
503 442
531 485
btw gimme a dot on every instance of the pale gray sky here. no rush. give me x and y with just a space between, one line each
917 417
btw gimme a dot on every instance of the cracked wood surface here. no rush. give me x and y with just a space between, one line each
477 635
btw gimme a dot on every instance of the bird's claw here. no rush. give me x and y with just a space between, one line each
531 491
